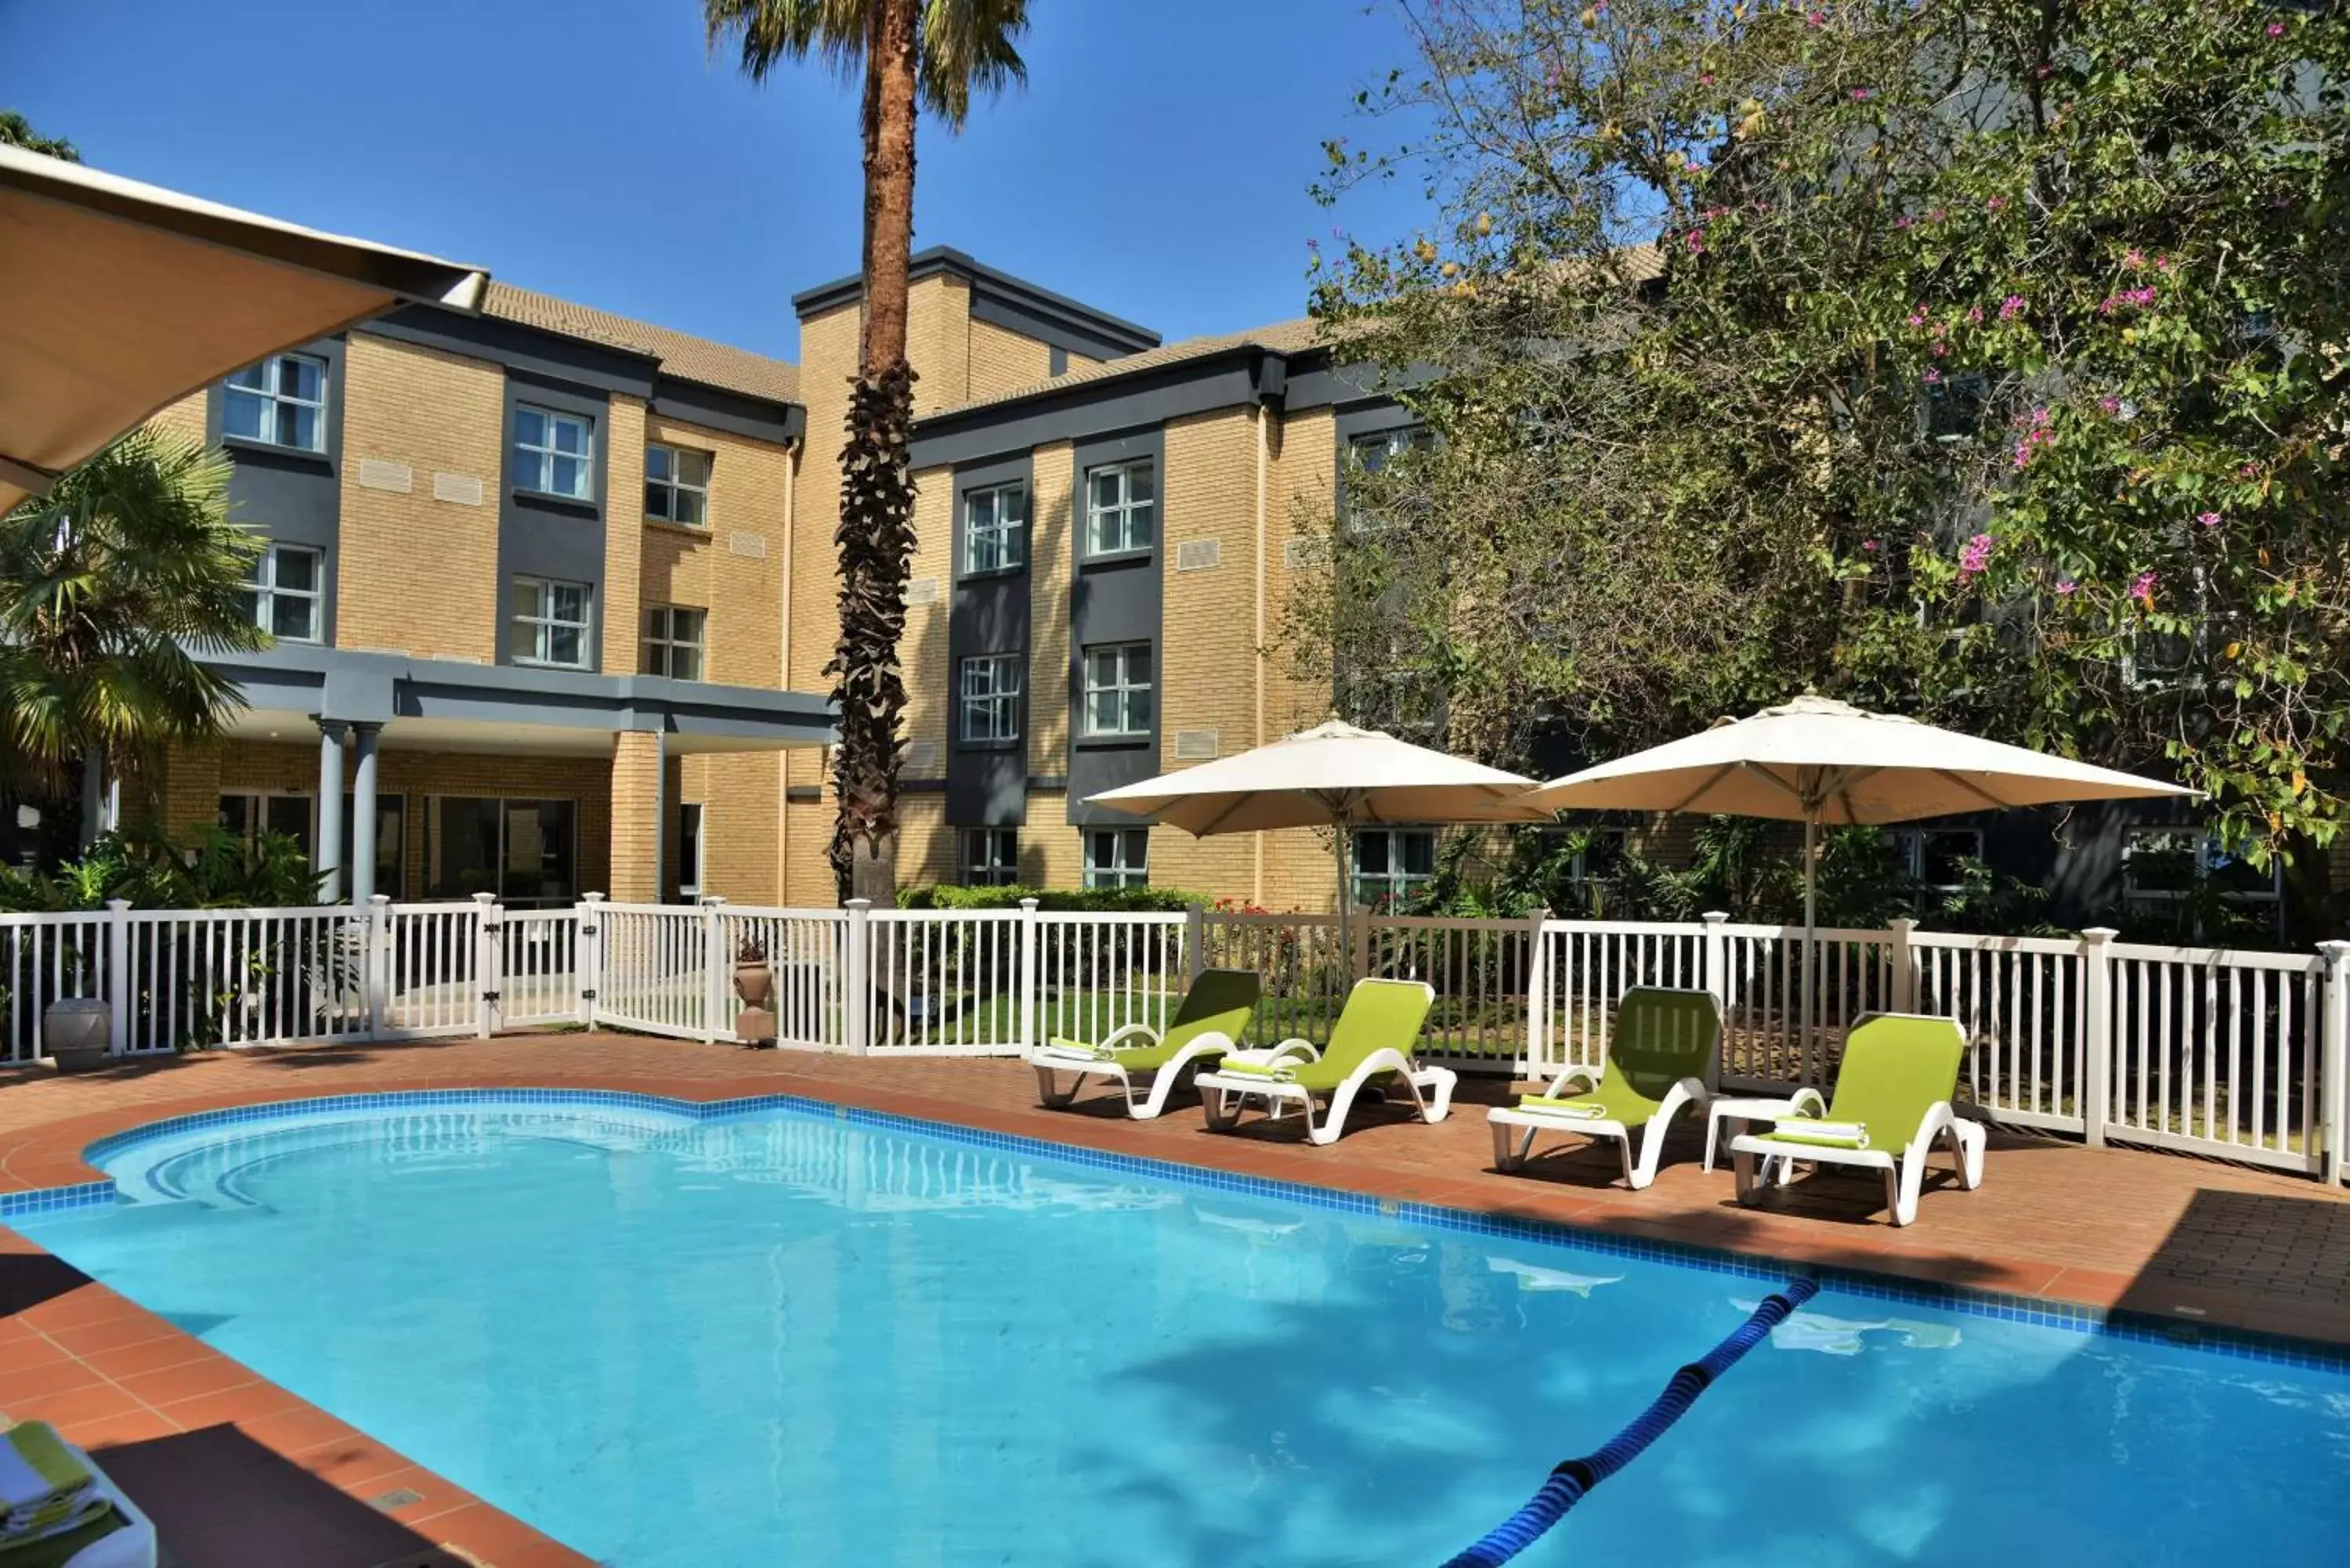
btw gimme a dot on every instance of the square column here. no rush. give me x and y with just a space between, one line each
326 843
363 739
637 813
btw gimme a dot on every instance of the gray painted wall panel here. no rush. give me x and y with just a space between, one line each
551 536
986 782
295 497
1119 599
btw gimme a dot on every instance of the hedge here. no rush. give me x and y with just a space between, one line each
1059 901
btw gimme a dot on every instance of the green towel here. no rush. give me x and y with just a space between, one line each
42 1481
1824 1133
1280 1071
1091 1053
1579 1110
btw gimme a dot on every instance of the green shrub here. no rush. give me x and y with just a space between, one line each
211 869
1058 900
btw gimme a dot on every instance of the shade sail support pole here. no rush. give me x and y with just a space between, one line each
1811 936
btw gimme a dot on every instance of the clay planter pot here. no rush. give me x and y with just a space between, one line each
754 983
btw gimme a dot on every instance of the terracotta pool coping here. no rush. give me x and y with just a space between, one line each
111 1374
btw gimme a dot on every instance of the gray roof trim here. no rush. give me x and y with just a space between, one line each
362 687
1230 378
520 347
1072 316
736 413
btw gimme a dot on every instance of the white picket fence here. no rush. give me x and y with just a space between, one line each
2210 1051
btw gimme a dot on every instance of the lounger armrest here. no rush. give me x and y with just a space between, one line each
1589 1077
1808 1102
1931 1126
1111 1043
1293 1047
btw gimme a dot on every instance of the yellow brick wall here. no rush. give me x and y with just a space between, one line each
937 341
1001 360
636 827
929 675
926 846
1299 873
624 504
734 569
828 361
1052 545
184 419
417 575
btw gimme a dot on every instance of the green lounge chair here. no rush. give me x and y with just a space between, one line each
1892 1101
1661 1055
1372 1040
1206 1026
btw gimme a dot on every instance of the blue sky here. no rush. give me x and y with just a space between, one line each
1155 166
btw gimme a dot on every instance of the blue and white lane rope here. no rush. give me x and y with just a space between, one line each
1572 1478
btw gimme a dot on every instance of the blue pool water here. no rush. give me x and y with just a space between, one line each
785 1338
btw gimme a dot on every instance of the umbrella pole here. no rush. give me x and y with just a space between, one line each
1811 928
1346 897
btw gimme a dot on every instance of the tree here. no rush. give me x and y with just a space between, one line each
16 130
1982 360
112 586
931 52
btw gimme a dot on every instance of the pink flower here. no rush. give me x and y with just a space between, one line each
1937 216
1976 555
1917 318
1904 221
1695 242
1860 95
1932 376
1940 349
2067 586
1705 79
1996 203
2250 470
2111 404
2142 590
2133 257
2011 307
2275 29
2041 418
1816 19
1974 314
2209 519
1869 545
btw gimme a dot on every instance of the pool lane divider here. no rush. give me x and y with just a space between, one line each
1572 1479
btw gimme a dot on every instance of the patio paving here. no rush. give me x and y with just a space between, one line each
239 1471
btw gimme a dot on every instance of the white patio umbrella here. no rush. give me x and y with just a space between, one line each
1818 761
118 298
1333 776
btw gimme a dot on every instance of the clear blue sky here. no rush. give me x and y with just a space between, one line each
1155 166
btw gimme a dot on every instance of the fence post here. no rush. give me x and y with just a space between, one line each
587 955
2097 1032
1195 941
859 987
2334 1061
118 990
714 967
1031 981
1717 961
377 965
1902 959
489 952
1537 979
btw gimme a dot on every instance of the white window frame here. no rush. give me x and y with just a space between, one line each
1006 539
264 586
540 627
1395 885
676 486
2206 851
1129 692
1113 529
1121 869
988 688
662 646
1369 452
689 875
540 477
273 399
257 810
988 857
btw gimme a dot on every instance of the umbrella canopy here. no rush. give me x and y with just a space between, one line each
1331 775
118 298
1822 760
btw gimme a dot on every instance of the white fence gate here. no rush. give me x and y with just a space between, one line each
2212 1051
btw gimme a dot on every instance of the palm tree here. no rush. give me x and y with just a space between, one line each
930 53
111 585
16 130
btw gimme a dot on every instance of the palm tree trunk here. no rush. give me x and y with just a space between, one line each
875 536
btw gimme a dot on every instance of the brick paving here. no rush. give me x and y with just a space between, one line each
238 1471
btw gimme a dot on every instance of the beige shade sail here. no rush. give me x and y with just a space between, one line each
118 298
1827 761
1331 775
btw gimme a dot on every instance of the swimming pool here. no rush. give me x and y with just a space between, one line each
770 1336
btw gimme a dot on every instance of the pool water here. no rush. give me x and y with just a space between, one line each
777 1337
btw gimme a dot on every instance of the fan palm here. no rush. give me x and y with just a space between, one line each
112 586
930 54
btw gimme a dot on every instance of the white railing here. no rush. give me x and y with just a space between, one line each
2245 1055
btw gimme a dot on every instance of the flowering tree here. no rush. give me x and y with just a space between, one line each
1983 359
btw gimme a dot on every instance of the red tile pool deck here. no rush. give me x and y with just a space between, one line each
238 1471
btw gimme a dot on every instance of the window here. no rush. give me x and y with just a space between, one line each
689 849
550 623
991 857
1118 857
1937 856
390 844
995 529
677 485
552 452
1392 864
282 596
2165 864
674 641
1371 454
1120 506
1117 690
281 400
521 850
249 816
990 691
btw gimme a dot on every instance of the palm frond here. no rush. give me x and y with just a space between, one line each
768 33
969 44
